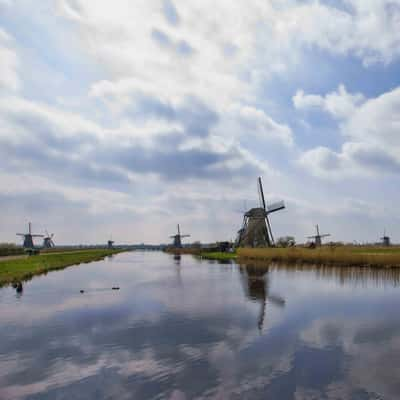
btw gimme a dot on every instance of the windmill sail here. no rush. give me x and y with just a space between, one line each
279 205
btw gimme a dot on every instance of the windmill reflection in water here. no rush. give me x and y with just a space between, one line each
256 285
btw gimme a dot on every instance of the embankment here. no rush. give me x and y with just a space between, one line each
22 269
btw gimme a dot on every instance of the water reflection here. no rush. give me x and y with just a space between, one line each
353 276
256 286
19 289
177 259
332 334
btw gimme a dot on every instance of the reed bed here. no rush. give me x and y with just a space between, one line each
342 255
218 256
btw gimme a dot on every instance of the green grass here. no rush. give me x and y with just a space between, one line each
341 255
25 268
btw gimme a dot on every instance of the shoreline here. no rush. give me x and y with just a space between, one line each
347 256
340 256
23 269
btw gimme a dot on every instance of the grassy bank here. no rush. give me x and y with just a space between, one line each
343 255
25 268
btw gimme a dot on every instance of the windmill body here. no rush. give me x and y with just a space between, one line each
177 239
110 244
28 238
256 228
318 237
48 241
385 239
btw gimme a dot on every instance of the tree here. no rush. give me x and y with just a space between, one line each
286 241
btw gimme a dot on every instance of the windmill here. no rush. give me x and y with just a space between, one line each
178 239
318 237
28 238
256 229
110 243
48 241
385 239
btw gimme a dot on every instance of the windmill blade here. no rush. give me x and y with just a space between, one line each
52 243
325 235
261 191
269 229
279 205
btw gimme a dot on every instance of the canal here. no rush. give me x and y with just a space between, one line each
183 328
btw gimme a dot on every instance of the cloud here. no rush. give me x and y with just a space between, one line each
370 130
9 63
253 122
195 117
365 29
181 47
54 143
339 104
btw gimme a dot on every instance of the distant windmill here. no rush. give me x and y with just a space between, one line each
256 229
178 239
318 237
110 243
48 241
385 239
28 238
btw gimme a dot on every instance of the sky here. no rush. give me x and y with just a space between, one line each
124 118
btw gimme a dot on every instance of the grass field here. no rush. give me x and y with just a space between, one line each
342 255
21 269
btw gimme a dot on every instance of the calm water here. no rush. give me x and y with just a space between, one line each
187 329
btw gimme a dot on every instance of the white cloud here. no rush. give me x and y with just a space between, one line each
365 29
246 123
340 104
9 63
372 145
